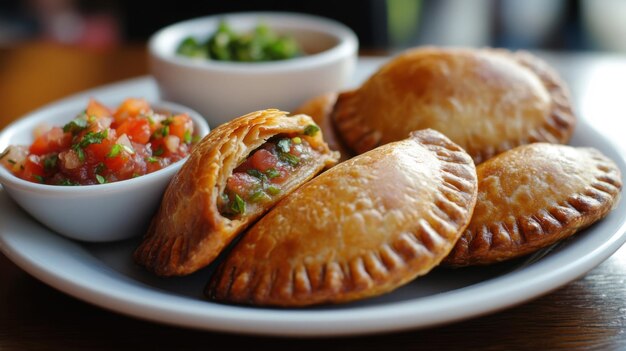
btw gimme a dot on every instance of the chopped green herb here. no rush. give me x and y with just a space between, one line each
67 182
238 205
100 168
38 178
258 196
256 173
165 131
50 162
81 154
92 138
187 137
284 145
273 190
150 120
152 159
100 179
135 175
159 151
296 140
167 121
5 152
11 161
115 151
76 125
289 158
311 130
272 173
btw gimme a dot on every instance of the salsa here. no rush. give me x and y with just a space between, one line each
102 145
262 44
261 175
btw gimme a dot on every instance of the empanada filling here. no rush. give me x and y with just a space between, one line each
265 173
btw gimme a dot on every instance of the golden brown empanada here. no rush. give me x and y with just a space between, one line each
362 228
487 101
533 196
233 176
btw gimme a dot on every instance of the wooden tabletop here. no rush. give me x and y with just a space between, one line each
589 313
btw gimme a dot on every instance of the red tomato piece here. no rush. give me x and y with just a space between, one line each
33 169
137 129
181 126
96 109
54 140
131 108
263 160
242 184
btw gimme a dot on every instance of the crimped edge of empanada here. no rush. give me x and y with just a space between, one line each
558 127
188 232
546 226
395 263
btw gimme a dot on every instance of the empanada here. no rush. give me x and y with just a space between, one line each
233 176
533 196
362 228
486 101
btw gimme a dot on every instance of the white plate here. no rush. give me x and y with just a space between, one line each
104 274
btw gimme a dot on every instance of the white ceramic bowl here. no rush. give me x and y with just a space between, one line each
223 90
97 213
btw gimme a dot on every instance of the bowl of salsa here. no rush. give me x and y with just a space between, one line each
97 173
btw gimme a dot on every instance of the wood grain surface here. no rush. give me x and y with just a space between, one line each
587 314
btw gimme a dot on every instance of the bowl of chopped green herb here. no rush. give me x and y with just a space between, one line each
226 65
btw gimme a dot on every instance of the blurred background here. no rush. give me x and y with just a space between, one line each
380 24
64 46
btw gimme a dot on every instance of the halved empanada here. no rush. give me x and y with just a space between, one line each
233 176
486 101
533 196
362 228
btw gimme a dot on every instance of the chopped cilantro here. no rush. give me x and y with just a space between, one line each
165 131
115 151
256 173
38 178
289 158
50 162
311 130
93 138
100 168
167 121
76 125
187 137
284 145
272 173
152 159
135 175
11 161
238 205
159 151
100 179
258 196
273 190
81 154
67 182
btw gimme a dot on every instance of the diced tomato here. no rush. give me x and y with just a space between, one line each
137 129
263 160
54 140
116 163
33 169
131 108
96 109
181 126
99 151
242 184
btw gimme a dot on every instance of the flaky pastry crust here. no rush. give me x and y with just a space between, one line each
189 232
362 228
487 101
533 196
